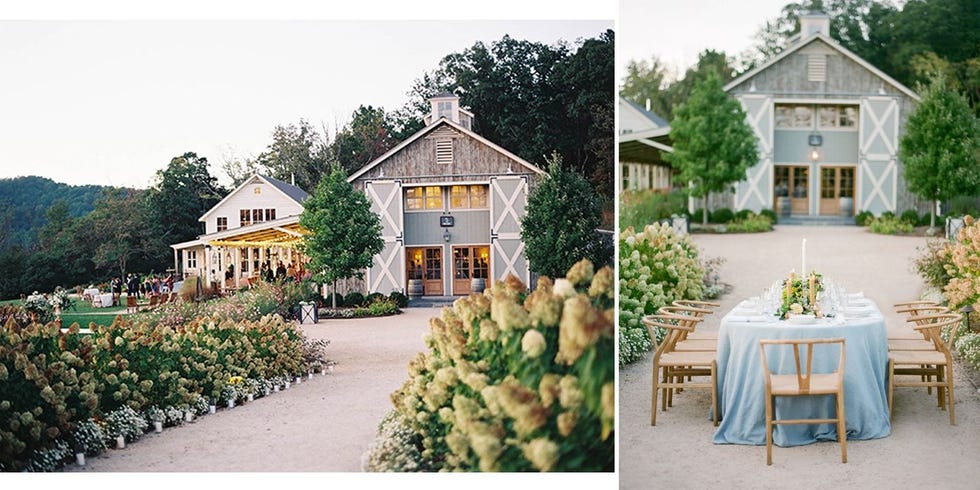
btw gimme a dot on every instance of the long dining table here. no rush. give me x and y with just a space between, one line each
741 386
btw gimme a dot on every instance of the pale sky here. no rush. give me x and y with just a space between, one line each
110 102
676 31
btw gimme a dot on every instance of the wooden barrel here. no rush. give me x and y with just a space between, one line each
783 206
415 289
477 285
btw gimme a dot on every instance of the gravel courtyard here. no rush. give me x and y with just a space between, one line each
922 451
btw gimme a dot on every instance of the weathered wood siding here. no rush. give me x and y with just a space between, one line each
416 163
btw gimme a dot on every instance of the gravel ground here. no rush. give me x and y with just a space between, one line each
923 450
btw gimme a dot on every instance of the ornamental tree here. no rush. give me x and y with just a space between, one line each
713 145
345 234
560 228
939 147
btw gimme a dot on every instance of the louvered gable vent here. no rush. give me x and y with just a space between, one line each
444 151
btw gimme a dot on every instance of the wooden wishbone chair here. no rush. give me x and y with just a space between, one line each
687 340
699 309
925 364
804 383
671 366
914 309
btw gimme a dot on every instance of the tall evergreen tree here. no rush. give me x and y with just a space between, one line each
560 227
713 145
941 147
345 234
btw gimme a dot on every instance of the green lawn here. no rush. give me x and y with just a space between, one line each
83 313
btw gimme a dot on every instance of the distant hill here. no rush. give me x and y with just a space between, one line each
27 200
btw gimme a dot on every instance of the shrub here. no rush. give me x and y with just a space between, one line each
399 298
698 216
722 215
353 298
124 422
887 214
641 208
910 216
382 307
373 298
968 346
769 214
517 381
338 298
752 224
743 213
656 268
889 225
863 218
932 262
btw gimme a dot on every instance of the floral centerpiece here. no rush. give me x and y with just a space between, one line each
800 295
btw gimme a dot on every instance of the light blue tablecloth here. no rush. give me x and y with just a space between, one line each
741 396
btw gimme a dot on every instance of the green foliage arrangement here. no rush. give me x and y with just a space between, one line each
354 298
889 225
512 381
656 267
769 214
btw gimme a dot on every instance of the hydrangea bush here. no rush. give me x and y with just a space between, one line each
964 270
656 267
54 382
512 381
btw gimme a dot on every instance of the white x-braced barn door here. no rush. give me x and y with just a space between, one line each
508 201
388 271
755 193
878 175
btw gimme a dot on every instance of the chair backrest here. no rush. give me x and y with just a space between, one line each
933 325
803 376
676 326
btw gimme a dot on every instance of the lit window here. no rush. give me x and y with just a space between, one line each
829 116
222 223
413 198
468 196
459 196
433 198
478 196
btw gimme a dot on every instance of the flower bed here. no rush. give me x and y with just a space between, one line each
512 381
656 267
63 389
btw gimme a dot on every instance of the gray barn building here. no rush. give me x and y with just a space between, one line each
828 125
451 204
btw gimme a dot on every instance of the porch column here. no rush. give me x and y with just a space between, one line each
176 262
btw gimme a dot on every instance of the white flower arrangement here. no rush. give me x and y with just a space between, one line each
173 416
47 460
88 438
154 414
200 405
124 422
395 448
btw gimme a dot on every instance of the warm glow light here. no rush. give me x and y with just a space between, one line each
814 154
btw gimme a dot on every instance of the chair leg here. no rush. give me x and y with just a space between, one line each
949 388
841 427
940 388
769 414
653 401
714 394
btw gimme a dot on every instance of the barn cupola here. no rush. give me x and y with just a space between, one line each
813 22
446 106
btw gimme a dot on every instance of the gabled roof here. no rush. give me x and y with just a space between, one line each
655 120
288 190
832 44
428 129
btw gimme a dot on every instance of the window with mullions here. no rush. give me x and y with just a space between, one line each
244 217
468 196
423 198
222 223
